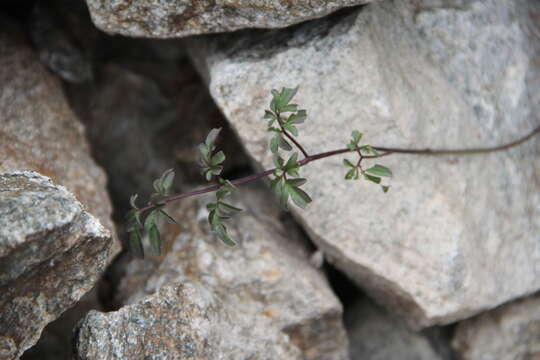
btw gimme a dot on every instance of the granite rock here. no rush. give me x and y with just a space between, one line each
52 252
260 300
510 332
455 235
158 19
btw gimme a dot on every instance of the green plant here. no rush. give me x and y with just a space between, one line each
283 119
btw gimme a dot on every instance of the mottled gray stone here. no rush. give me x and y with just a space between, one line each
375 335
40 132
511 332
454 236
259 300
165 19
51 253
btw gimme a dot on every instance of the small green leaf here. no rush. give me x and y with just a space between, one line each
385 188
278 161
135 244
155 239
351 146
211 138
157 186
298 117
269 115
284 144
289 108
167 180
292 162
291 128
229 207
379 170
350 174
299 197
150 220
374 179
218 158
346 162
274 143
356 136
286 95
221 232
169 218
133 200
296 182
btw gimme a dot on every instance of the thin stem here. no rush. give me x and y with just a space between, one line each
386 151
292 138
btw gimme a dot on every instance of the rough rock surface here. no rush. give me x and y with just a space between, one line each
39 131
454 236
145 18
511 332
375 335
51 253
259 300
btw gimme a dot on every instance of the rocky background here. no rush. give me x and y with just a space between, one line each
98 98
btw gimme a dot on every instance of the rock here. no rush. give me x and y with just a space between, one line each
55 39
202 299
455 235
375 335
515 327
51 253
143 18
39 131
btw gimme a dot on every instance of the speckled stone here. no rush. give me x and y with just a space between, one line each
165 19
51 253
39 131
454 236
511 332
259 300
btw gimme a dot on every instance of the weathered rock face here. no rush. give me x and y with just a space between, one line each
259 300
188 17
51 253
38 130
511 332
375 335
455 235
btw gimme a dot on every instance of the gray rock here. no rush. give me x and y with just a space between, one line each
40 132
202 299
51 253
375 335
454 236
511 332
144 18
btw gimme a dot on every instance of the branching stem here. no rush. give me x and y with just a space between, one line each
385 151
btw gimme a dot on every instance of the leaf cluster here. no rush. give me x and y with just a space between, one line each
286 183
374 173
140 224
211 162
220 211
211 167
278 124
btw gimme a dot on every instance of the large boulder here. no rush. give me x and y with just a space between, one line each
52 252
511 332
202 299
455 235
144 18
